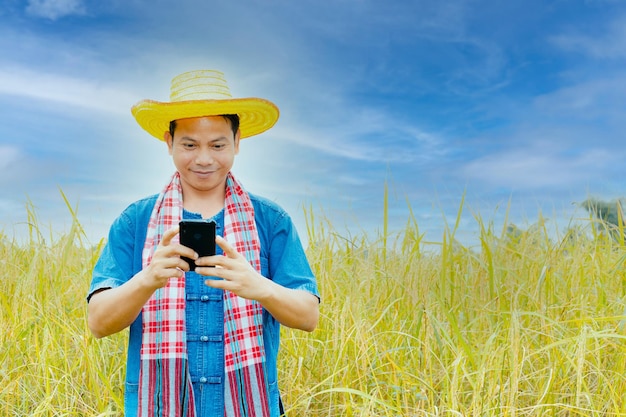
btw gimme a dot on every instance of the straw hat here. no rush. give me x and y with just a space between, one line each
204 93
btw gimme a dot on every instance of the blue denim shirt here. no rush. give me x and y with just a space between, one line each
282 260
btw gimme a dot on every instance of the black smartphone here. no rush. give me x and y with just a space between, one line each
198 235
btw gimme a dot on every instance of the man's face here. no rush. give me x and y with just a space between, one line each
203 150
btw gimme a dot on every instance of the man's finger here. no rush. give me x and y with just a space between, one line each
169 235
229 251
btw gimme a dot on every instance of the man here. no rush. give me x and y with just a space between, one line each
203 343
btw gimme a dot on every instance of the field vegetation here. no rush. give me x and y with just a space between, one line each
525 323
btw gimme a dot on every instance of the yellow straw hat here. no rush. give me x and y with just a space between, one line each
204 93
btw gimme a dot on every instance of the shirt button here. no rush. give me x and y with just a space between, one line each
204 338
204 298
203 380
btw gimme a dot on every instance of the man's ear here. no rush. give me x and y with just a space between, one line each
237 140
167 137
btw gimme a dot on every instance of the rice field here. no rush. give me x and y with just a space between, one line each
522 324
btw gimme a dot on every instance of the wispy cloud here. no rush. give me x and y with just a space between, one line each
55 9
369 140
611 44
82 93
8 155
540 167
602 98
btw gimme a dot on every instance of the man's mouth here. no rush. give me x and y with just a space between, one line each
203 173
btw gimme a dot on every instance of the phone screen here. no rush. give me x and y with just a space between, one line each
198 235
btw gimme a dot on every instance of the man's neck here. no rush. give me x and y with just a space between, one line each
208 204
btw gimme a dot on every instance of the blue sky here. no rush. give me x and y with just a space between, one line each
515 106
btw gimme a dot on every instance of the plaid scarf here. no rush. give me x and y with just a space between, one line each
164 383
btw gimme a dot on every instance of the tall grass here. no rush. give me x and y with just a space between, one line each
522 325
49 363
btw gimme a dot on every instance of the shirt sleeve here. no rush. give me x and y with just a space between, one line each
115 265
288 264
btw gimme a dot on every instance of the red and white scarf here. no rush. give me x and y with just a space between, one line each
164 383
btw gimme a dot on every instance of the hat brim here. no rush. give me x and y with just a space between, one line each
256 115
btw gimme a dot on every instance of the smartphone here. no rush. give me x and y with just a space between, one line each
198 235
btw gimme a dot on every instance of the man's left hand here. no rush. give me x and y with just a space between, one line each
236 273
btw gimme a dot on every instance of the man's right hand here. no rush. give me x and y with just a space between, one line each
166 261
113 309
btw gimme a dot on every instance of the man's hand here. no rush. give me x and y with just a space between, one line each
166 261
293 308
114 309
236 273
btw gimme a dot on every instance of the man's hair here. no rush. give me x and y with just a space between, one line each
232 118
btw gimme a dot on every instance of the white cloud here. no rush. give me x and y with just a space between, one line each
609 45
365 134
54 9
65 90
602 98
539 167
8 154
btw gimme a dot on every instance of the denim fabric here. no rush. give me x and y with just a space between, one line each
282 260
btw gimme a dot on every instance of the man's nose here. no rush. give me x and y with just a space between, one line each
204 157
